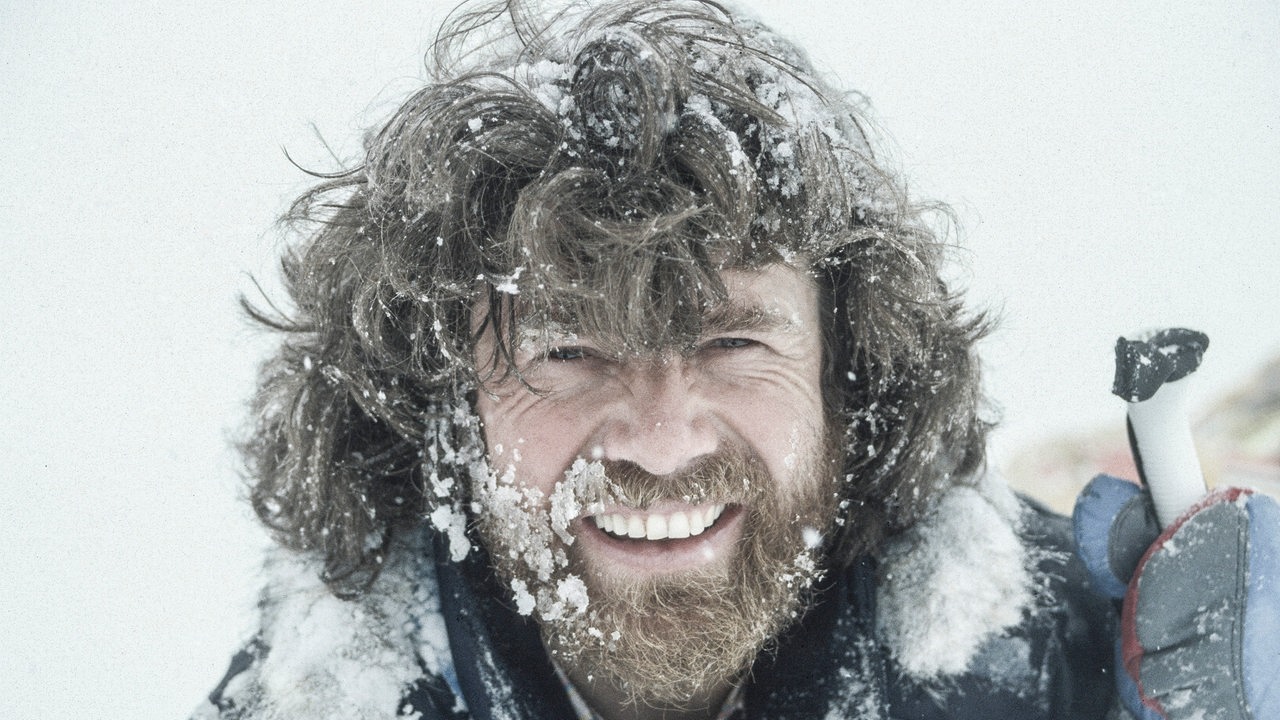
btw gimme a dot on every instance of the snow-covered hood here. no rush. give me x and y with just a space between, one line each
955 580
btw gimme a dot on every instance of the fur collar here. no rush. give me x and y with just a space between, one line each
955 580
333 659
960 577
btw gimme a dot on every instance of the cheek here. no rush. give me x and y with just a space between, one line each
780 416
540 439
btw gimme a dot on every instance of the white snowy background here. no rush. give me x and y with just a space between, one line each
1115 166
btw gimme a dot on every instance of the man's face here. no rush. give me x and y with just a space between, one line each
688 478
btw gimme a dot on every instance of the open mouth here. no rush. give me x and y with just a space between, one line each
654 524
664 538
674 525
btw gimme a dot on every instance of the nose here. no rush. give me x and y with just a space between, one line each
663 423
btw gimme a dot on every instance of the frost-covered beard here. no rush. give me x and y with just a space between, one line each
663 640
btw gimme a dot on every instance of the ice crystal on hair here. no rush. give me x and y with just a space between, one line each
454 525
572 592
532 522
524 601
508 284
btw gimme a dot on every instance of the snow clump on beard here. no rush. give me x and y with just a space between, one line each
666 639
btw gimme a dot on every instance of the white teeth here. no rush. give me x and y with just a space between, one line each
677 525
697 522
656 527
713 513
635 527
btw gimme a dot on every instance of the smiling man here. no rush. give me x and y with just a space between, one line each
620 381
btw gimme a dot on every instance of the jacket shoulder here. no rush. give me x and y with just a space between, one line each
1050 661
378 655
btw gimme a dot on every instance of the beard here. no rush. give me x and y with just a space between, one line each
665 640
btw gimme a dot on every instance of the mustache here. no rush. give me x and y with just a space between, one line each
727 476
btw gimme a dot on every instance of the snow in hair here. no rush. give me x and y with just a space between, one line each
598 167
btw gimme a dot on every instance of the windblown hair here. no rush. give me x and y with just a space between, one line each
597 169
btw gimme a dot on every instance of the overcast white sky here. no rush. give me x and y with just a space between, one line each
1116 166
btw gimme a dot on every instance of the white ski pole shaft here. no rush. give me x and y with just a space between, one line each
1170 466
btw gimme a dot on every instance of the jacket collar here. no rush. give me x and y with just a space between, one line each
938 592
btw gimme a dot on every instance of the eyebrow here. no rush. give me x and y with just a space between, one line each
735 317
724 318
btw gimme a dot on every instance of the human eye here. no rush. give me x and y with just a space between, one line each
731 343
567 353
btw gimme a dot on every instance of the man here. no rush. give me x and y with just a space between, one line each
621 383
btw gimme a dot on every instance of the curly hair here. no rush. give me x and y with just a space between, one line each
600 168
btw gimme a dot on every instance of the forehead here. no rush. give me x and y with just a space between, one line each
775 298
